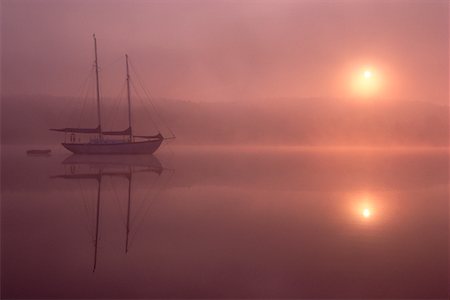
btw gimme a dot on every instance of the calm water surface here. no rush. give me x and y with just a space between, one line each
224 223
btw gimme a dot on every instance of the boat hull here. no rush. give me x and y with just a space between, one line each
145 147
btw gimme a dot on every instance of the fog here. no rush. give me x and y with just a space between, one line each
310 159
219 222
294 122
227 72
228 50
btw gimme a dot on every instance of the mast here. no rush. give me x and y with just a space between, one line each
129 99
97 222
128 211
100 134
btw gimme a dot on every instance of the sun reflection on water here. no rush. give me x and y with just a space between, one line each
367 213
364 206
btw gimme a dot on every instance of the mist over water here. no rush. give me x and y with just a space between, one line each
257 73
217 222
289 122
226 50
310 160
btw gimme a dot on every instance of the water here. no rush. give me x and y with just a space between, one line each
227 223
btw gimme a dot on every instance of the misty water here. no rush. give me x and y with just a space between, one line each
226 222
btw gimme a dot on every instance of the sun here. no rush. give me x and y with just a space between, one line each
366 213
366 83
367 74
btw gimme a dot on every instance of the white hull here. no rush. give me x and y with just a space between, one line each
145 147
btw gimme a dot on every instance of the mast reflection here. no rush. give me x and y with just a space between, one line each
97 167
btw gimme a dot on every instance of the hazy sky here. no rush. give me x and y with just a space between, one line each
228 50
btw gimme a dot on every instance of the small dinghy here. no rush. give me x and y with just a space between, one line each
39 152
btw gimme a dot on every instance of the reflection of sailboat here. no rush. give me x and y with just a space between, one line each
135 144
110 166
148 161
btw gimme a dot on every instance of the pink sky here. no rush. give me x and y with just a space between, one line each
228 50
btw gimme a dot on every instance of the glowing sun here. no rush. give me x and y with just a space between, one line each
366 83
366 213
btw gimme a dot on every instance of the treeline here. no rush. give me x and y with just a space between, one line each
25 120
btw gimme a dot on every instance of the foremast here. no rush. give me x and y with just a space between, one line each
100 133
129 98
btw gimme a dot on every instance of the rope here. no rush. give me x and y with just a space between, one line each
83 106
145 107
150 202
121 210
140 206
67 112
86 210
116 104
145 205
149 97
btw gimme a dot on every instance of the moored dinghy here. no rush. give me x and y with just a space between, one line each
44 152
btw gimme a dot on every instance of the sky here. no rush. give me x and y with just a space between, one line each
229 50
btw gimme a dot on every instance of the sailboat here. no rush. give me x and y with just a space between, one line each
134 144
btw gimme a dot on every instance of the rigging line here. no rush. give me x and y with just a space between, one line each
147 92
144 206
149 97
119 104
85 82
110 118
74 109
63 114
84 104
116 104
121 213
141 205
163 187
86 210
88 91
138 96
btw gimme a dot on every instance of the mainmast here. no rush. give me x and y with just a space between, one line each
100 134
128 210
97 222
129 99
